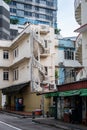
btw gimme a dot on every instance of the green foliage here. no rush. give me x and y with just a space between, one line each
14 21
56 74
7 1
57 31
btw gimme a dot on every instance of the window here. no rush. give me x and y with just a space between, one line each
43 2
48 17
28 6
37 1
46 70
42 16
5 54
13 3
15 52
28 0
48 3
5 75
12 10
20 6
42 10
72 73
46 45
69 54
15 74
36 8
27 13
20 13
37 15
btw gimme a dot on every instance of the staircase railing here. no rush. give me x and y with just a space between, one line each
38 65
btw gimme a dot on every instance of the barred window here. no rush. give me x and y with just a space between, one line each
68 54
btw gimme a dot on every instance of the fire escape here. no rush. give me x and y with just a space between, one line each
39 50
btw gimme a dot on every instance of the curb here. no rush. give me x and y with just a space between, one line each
59 125
53 125
16 114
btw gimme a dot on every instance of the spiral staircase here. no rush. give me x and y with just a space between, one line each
38 50
78 55
77 7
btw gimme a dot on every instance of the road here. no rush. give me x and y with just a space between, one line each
11 122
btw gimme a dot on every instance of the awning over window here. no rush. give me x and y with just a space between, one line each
14 88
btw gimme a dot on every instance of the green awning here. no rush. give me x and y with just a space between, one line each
69 93
54 94
80 92
83 92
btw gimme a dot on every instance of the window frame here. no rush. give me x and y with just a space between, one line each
5 54
5 74
15 74
69 54
15 52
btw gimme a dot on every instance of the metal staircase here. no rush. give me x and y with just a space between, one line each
77 7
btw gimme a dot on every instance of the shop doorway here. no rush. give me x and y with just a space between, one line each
9 102
78 109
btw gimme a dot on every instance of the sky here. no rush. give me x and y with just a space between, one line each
66 19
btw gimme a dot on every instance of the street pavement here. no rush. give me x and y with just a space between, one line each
50 122
17 122
59 124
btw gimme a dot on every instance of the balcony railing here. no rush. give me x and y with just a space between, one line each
44 29
39 40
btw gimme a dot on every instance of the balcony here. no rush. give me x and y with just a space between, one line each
44 29
37 87
46 80
45 53
24 1
39 40
77 6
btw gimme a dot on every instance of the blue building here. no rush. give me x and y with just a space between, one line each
4 21
34 11
67 63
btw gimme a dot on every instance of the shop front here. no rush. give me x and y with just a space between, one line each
71 101
14 96
72 106
67 105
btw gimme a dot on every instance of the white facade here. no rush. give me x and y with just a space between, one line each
28 57
2 3
81 18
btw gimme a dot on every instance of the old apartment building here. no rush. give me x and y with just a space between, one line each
27 65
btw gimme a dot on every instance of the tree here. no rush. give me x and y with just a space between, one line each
57 31
56 74
14 21
7 1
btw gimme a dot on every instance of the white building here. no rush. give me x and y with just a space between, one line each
81 18
27 65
